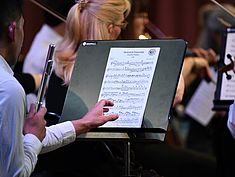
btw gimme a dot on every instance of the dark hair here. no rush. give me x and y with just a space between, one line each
137 6
10 10
61 7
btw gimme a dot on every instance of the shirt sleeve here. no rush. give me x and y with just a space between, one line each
58 135
32 147
231 120
18 153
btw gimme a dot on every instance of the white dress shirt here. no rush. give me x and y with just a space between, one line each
231 120
18 153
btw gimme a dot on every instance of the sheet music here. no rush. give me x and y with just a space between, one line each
201 103
228 86
127 81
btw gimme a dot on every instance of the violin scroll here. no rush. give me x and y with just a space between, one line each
226 68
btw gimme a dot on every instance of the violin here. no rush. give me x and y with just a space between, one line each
228 67
155 31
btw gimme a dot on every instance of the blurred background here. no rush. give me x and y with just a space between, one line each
175 18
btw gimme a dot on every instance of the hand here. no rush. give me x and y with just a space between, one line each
208 55
194 67
35 123
201 68
95 117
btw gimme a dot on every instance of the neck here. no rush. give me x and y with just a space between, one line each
4 52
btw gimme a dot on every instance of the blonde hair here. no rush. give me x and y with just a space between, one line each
86 22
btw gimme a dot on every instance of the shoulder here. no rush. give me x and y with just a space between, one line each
11 91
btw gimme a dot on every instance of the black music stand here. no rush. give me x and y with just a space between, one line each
87 79
225 88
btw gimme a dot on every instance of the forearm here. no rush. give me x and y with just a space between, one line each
180 91
187 66
81 126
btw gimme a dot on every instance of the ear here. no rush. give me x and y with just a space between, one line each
110 28
11 31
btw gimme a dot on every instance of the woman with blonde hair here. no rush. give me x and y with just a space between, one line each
89 20
86 20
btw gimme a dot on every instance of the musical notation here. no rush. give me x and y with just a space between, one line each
111 95
130 69
116 76
136 82
116 63
128 100
127 81
126 88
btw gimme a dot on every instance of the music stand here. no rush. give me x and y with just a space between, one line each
87 80
225 87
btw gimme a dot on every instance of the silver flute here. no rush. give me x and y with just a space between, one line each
45 76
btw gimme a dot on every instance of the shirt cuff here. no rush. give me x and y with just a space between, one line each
231 120
33 143
68 132
64 133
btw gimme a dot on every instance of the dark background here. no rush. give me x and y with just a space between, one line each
176 18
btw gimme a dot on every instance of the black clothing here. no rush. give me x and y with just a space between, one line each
27 82
224 149
56 94
25 79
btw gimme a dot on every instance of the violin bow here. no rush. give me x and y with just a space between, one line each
52 12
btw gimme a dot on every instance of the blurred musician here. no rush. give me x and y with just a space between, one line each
51 32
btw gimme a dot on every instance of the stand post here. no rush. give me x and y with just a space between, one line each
127 158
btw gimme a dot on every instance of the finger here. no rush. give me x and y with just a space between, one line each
212 52
211 56
100 103
109 103
32 110
111 117
105 102
42 111
197 52
203 53
208 74
105 109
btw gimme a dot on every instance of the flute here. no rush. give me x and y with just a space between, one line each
45 76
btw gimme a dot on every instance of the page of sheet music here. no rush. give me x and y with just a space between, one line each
127 81
201 103
228 86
